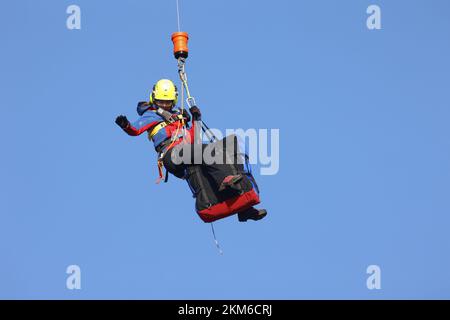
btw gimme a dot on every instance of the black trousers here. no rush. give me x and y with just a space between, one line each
216 171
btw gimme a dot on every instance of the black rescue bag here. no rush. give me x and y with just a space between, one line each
212 204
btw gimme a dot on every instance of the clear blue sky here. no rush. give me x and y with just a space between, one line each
364 162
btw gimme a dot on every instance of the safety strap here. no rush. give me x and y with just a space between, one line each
160 170
161 151
162 125
167 144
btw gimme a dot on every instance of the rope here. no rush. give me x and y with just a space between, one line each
184 86
184 80
182 107
178 17
215 239
209 134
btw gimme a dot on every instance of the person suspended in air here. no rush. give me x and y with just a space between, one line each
220 188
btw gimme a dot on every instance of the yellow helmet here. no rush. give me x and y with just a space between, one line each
164 89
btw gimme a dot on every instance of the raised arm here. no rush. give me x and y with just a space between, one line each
143 124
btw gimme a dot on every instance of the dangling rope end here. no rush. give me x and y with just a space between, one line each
215 240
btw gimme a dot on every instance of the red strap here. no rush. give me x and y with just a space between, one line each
160 171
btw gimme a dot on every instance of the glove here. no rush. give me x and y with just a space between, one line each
186 116
122 121
196 114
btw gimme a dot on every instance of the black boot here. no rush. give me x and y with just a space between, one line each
252 214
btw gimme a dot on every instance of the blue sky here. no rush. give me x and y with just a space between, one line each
364 150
